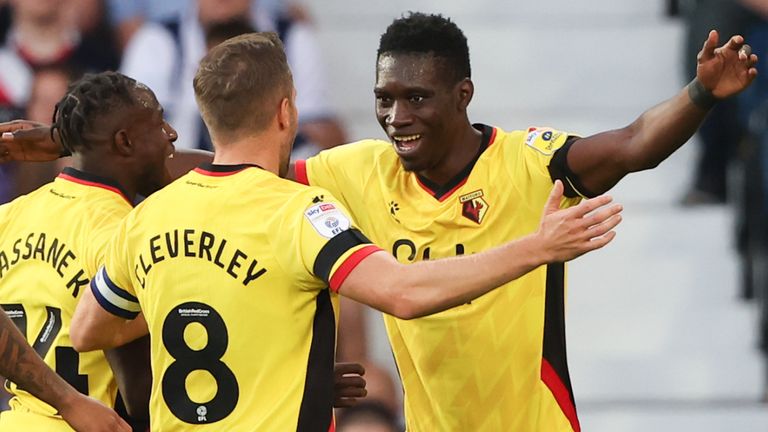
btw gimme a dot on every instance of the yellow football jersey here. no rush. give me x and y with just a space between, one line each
499 362
51 242
231 267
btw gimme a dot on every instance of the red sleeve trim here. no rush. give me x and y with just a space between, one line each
349 264
300 172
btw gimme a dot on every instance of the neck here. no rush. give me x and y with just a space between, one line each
110 171
461 151
258 149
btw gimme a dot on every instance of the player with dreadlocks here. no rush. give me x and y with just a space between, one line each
52 241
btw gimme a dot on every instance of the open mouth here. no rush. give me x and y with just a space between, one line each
405 144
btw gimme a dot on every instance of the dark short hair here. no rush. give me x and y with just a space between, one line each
218 32
420 33
75 117
239 79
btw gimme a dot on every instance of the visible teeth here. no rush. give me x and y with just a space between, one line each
406 138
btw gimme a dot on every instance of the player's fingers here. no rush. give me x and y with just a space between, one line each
349 381
753 59
589 205
120 425
555 196
345 402
351 392
735 43
599 242
13 125
708 50
601 215
349 368
602 228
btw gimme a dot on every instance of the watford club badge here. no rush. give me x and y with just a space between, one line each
473 206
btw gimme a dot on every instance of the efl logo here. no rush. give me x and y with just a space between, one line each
473 206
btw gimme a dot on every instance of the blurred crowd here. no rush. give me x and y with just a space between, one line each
732 167
47 44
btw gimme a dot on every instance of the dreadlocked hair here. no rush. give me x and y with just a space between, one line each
420 33
92 96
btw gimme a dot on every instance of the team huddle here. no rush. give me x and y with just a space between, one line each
223 284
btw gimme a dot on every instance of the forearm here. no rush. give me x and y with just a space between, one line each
94 328
601 160
428 287
21 364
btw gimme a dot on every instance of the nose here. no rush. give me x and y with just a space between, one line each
399 115
170 132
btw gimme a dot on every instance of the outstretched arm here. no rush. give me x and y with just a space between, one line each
600 161
25 140
21 364
415 290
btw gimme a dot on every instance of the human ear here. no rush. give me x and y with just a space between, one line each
284 114
466 90
122 144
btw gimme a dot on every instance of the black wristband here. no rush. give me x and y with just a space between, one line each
700 96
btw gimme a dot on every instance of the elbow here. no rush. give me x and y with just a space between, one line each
81 339
403 306
79 342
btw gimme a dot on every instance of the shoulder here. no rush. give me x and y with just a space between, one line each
363 152
543 140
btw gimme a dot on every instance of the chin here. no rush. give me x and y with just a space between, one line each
411 165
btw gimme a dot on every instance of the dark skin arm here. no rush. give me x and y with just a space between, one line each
21 364
25 140
601 160
131 366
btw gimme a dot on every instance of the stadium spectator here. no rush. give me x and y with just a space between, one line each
165 57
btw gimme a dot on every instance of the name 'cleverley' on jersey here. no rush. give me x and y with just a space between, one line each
190 243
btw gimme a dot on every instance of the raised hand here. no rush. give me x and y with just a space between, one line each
348 384
24 140
575 231
725 70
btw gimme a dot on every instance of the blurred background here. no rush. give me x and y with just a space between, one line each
667 328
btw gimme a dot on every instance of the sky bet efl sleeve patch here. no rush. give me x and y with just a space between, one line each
327 219
545 140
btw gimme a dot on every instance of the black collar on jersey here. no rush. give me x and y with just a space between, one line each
226 169
440 192
89 179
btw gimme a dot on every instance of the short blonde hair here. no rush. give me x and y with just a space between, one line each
240 82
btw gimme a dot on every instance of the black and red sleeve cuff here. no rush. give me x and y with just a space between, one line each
334 250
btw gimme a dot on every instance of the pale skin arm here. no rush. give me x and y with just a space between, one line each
601 160
94 328
424 288
21 364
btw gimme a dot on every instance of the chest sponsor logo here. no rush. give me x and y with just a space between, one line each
473 206
327 220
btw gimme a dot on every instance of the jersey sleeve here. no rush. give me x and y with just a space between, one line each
329 245
334 168
544 153
112 286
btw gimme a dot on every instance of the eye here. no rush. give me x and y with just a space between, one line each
383 100
416 99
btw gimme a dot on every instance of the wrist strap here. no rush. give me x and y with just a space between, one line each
700 96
